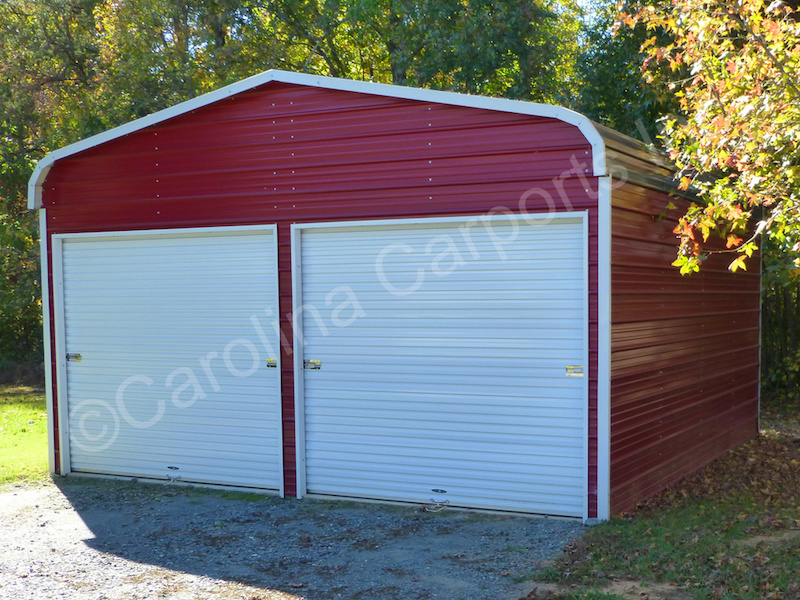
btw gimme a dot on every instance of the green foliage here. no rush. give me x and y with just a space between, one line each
783 378
780 322
43 56
734 71
156 53
513 48
613 91
23 435
20 290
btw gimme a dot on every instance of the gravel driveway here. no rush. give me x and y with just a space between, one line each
95 539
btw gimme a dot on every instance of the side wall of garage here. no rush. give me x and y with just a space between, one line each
284 154
684 351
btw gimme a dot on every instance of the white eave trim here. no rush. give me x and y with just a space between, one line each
583 123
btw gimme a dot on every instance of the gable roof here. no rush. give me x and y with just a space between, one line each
612 152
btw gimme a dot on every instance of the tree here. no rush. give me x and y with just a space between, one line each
157 53
738 146
514 48
47 56
612 90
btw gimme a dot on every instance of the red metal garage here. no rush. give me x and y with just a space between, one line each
324 287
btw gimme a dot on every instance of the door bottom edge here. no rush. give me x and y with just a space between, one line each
152 480
435 507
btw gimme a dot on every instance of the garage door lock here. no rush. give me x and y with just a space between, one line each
272 363
312 363
73 358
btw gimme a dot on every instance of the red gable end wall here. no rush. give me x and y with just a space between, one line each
285 154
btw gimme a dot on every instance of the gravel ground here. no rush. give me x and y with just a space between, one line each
90 539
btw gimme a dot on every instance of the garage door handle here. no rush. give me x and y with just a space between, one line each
272 363
73 358
312 363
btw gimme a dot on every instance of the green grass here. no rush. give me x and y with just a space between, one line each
728 532
727 551
23 435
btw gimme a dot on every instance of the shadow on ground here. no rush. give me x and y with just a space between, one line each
307 549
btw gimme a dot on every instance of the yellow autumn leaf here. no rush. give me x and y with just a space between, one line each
738 264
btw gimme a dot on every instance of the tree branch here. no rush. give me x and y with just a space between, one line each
763 43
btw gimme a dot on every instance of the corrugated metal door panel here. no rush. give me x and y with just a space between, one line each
173 379
443 355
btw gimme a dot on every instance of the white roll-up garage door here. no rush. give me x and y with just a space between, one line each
163 345
444 362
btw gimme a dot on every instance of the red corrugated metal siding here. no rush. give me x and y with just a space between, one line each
285 154
684 353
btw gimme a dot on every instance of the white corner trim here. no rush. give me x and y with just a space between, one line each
584 124
585 358
604 349
299 372
47 343
276 298
61 355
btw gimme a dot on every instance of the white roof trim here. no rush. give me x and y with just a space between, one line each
583 123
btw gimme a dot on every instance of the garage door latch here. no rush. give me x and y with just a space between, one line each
73 358
574 371
312 363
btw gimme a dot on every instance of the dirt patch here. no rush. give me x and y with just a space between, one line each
630 590
638 590
769 539
95 539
